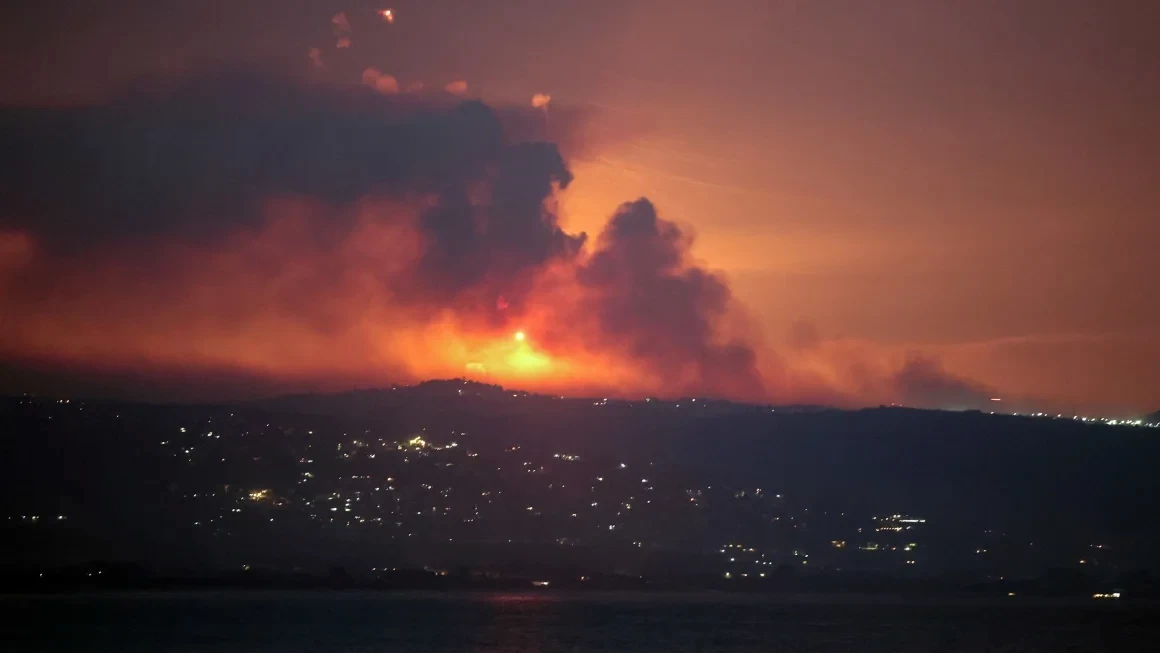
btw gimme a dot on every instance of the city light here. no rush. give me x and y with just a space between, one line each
420 481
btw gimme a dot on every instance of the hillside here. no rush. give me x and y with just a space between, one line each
489 478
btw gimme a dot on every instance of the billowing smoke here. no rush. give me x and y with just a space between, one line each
498 235
256 223
923 382
204 153
255 227
652 303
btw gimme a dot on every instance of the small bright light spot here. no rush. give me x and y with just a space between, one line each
520 336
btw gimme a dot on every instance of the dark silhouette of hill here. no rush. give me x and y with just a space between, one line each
1035 471
159 484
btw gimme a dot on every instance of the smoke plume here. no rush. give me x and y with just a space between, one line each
284 230
652 303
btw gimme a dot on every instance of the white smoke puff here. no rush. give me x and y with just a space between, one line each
381 82
540 101
341 30
316 58
458 87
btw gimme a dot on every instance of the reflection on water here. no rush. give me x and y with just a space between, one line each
355 622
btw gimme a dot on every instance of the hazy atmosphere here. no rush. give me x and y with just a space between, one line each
850 203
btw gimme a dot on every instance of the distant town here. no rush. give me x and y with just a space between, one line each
257 492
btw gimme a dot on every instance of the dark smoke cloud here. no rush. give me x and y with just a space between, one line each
922 381
156 160
649 300
502 240
129 208
195 160
191 158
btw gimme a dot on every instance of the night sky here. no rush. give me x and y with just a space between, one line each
853 203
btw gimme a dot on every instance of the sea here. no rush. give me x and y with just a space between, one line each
354 622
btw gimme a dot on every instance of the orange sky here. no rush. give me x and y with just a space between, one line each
972 182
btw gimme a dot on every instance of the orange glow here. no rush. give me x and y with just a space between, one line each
279 303
457 87
16 249
519 361
257 303
999 218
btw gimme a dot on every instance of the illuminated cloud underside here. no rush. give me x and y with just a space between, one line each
342 237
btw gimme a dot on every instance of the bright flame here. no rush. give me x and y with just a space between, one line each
526 362
517 360
388 15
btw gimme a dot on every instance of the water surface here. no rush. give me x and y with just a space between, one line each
363 622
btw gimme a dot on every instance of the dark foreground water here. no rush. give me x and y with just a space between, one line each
353 622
